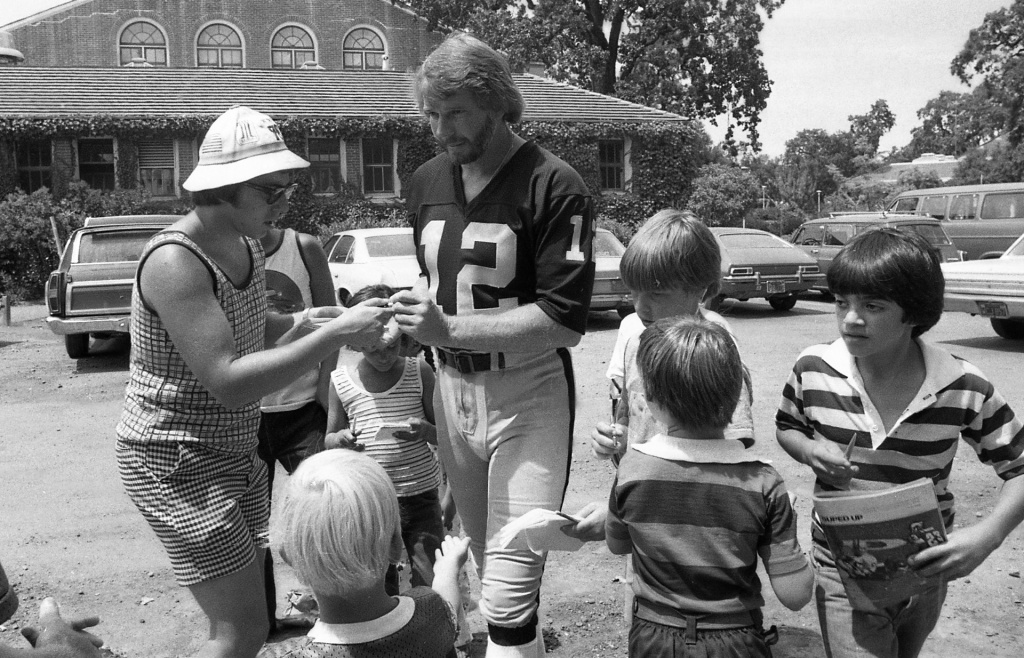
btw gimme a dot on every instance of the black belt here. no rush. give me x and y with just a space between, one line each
468 362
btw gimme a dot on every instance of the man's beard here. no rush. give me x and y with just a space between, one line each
477 144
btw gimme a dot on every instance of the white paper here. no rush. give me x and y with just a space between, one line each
539 530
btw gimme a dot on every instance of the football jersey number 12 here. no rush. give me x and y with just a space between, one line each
499 276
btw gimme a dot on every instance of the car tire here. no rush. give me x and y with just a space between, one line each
77 345
623 311
1009 329
714 303
782 302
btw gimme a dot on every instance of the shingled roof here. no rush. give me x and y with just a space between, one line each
39 92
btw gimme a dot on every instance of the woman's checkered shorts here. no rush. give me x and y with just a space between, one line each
209 508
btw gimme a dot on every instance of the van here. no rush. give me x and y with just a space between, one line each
982 220
823 238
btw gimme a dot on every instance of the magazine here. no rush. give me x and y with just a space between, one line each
540 530
872 533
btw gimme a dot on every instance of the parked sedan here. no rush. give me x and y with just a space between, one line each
368 256
610 293
90 293
992 288
758 264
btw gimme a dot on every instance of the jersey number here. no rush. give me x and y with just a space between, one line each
470 275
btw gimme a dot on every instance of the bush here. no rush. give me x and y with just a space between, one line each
622 214
323 215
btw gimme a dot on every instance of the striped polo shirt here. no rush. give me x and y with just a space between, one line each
410 464
696 515
826 401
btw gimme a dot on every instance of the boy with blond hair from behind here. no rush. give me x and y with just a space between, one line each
336 526
696 509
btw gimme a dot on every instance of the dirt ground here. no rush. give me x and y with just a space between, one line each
68 530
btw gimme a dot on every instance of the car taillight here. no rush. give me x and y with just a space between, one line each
807 269
741 271
55 293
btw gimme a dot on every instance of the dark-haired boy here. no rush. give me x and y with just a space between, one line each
905 403
695 564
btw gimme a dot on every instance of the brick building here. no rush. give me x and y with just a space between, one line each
119 93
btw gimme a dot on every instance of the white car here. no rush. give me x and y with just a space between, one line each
368 256
992 288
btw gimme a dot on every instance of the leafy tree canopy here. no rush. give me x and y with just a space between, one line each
867 129
953 123
698 58
995 51
722 195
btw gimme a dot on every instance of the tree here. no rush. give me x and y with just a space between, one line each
818 160
698 58
997 163
953 123
995 51
722 195
867 129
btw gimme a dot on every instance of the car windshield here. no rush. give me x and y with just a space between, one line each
390 246
607 246
752 241
933 234
113 246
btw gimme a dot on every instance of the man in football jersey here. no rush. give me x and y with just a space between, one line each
503 230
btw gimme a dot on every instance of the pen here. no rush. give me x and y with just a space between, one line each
849 448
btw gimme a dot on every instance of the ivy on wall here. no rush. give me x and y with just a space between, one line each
665 156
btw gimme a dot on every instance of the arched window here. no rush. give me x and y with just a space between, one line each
363 49
219 46
142 41
291 47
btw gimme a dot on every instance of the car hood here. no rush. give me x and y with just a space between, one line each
396 272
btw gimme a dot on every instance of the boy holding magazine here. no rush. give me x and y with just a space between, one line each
904 404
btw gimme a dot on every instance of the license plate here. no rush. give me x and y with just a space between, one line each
776 287
993 309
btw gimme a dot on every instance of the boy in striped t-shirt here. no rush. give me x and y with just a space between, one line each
695 510
901 405
380 387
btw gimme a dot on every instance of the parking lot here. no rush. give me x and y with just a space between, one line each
69 531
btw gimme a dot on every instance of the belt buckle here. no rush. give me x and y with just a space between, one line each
464 363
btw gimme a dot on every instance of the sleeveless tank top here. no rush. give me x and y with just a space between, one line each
163 400
289 291
410 464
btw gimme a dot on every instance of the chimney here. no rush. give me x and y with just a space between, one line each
9 55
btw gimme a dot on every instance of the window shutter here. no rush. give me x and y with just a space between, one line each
157 154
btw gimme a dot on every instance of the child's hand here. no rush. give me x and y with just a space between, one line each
961 554
608 440
454 551
591 525
420 429
345 438
830 465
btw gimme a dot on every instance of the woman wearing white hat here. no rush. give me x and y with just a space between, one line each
187 436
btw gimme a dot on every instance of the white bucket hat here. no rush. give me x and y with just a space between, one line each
240 145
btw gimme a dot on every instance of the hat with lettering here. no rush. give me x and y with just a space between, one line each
241 145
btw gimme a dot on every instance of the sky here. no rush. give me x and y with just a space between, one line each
829 59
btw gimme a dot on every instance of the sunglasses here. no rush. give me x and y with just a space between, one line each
274 194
